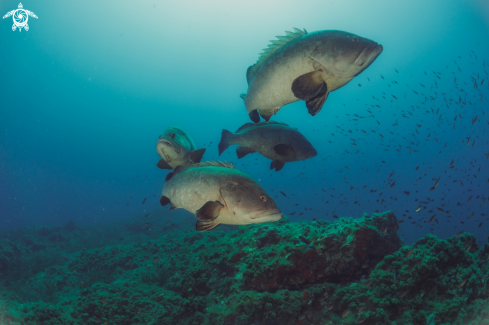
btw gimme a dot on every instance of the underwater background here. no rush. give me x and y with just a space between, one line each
87 90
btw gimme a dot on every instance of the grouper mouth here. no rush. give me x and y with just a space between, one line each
270 215
312 153
368 55
169 143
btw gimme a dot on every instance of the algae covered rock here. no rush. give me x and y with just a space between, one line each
9 255
294 255
347 272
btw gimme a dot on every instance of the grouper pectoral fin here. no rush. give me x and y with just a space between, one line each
277 164
196 155
312 89
309 85
283 149
243 151
315 104
207 216
206 225
209 211
162 164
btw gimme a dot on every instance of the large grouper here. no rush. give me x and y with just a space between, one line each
305 66
176 148
216 193
276 141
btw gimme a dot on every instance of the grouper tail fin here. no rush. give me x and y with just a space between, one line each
224 143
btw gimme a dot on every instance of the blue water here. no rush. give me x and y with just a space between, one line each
86 91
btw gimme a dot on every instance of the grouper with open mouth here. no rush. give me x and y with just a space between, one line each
176 148
305 66
216 193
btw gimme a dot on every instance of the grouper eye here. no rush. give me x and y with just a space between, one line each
172 135
263 198
354 39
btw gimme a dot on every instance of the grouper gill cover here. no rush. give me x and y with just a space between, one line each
244 162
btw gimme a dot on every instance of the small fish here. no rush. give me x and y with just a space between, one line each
432 218
345 313
436 183
410 252
329 307
469 199
283 193
418 208
461 284
368 283
144 200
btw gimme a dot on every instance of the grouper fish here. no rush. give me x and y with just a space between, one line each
276 141
176 148
305 66
216 193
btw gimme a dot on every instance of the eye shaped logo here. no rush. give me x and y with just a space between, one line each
20 17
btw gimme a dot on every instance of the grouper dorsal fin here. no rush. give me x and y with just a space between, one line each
272 47
270 123
259 124
246 126
219 163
